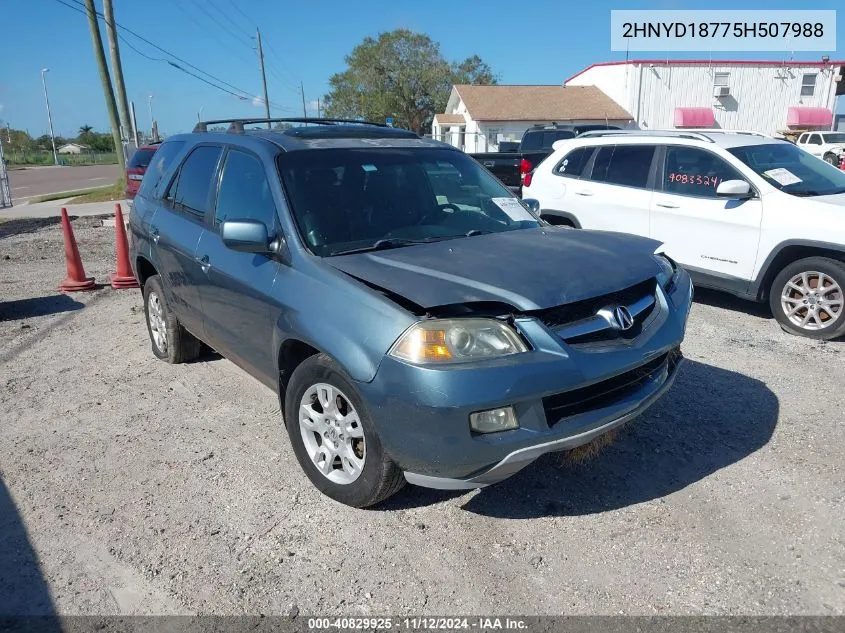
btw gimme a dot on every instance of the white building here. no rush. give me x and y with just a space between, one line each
477 118
764 96
72 148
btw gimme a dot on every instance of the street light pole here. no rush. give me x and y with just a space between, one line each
152 120
49 115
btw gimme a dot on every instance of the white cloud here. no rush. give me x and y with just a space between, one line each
257 102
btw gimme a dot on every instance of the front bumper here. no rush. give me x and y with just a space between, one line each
422 413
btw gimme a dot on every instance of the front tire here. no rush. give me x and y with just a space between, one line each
170 341
807 299
334 438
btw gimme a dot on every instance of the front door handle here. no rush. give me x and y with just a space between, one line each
489 165
666 205
204 263
154 234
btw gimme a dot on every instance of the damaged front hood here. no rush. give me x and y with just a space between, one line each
529 269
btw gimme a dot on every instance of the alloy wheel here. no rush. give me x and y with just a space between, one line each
158 327
812 300
332 433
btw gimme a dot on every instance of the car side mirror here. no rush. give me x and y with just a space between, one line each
738 189
533 206
246 236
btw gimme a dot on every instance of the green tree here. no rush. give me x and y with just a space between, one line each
402 75
86 136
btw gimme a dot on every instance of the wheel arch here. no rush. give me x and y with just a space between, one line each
144 269
558 218
791 251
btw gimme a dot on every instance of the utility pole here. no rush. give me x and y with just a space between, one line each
319 115
116 67
302 92
263 76
105 80
49 115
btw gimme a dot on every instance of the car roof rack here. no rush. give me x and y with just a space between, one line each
722 131
665 133
237 125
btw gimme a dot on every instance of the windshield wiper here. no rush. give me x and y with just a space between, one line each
475 232
387 243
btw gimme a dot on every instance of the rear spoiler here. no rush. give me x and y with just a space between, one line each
560 143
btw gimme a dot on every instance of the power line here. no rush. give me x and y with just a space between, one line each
244 95
239 10
226 17
206 30
218 22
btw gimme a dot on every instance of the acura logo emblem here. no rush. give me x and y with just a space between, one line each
618 317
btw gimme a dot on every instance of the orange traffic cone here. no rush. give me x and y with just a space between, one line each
842 164
76 279
123 278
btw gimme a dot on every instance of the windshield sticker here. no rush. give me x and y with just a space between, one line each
513 208
782 176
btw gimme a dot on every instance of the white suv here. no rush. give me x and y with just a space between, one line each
744 213
829 146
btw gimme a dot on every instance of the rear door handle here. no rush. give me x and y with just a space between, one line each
584 192
154 234
204 263
489 165
666 205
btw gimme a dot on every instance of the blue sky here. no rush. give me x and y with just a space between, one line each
525 42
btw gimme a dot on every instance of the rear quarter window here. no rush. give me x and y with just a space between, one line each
159 166
572 165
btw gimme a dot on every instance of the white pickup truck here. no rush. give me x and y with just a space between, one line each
829 146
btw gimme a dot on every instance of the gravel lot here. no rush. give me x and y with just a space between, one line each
130 486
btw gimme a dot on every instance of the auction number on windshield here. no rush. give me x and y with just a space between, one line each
695 179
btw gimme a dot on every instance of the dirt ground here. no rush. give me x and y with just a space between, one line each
129 486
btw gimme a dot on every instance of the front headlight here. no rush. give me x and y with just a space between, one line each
441 341
669 274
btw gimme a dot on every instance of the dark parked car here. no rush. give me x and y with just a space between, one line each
417 321
512 166
136 167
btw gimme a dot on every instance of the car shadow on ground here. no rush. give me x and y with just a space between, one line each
17 226
23 589
37 306
731 302
710 419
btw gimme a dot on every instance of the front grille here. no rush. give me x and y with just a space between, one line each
565 314
607 392
578 323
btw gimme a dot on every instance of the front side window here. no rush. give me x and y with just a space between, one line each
695 172
626 165
196 179
792 170
366 199
572 165
815 139
808 85
803 138
244 191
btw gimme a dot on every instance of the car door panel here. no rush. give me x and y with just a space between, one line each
699 229
617 194
237 291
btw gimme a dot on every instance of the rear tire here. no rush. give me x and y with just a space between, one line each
832 159
170 341
807 299
334 438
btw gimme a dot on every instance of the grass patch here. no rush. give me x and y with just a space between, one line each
97 194
102 194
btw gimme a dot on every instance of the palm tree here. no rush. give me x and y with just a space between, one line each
85 129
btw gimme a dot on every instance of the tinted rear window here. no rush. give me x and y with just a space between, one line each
141 158
543 139
626 165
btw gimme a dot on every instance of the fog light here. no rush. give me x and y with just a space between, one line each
493 420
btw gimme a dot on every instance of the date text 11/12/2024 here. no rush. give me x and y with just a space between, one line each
417 623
